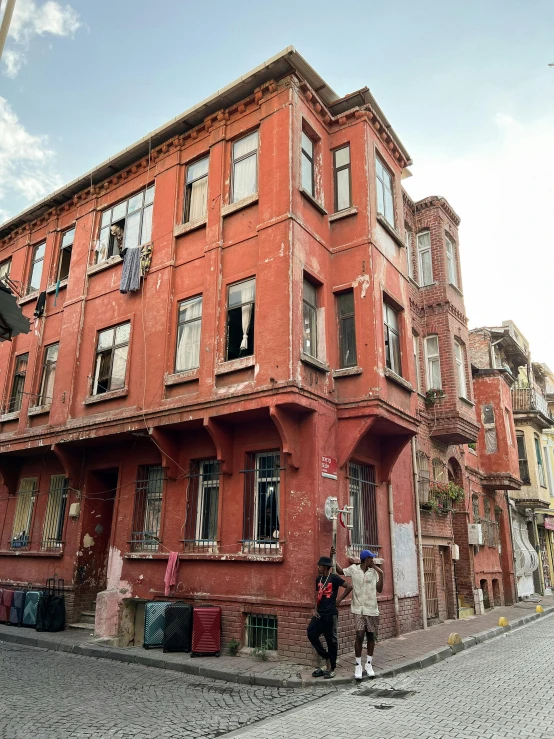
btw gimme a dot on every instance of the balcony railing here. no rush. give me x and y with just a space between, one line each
527 399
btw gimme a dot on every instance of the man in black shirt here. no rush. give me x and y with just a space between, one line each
324 620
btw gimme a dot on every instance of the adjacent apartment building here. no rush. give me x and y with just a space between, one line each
235 318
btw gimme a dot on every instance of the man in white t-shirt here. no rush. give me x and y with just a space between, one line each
367 581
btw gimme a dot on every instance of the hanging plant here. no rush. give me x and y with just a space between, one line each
443 495
433 395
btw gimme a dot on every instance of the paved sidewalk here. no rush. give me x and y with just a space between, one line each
392 656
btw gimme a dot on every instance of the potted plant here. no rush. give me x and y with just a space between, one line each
443 495
433 395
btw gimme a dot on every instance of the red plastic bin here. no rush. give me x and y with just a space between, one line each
206 631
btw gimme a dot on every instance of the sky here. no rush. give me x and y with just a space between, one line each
465 84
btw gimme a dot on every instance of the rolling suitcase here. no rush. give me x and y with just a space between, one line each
206 630
51 607
18 604
178 628
154 621
32 598
5 605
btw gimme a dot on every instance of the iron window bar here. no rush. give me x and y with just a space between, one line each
54 518
261 502
202 505
261 631
363 499
148 508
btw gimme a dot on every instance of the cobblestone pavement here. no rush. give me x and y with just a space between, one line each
503 688
55 695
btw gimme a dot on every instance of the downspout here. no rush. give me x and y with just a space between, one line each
394 590
422 595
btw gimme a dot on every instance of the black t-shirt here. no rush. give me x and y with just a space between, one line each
327 588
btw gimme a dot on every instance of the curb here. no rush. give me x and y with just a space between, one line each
123 655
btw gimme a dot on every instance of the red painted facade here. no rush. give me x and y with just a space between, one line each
283 397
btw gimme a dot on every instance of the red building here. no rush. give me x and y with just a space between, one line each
220 306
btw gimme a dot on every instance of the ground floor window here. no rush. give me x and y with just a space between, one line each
202 503
148 508
363 494
21 535
261 631
54 518
262 478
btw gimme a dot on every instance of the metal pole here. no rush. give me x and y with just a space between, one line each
6 20
392 543
422 594
335 542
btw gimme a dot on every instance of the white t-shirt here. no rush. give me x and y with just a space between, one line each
364 590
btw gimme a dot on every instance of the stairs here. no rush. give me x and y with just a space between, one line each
86 622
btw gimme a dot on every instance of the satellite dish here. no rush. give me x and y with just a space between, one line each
331 508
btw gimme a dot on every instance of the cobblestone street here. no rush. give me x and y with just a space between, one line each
503 688
53 695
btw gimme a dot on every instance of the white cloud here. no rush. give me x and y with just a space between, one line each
30 20
504 194
27 170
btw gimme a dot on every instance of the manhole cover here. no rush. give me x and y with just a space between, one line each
385 693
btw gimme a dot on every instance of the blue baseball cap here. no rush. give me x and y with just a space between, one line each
365 553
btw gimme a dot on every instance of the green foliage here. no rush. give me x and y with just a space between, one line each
260 652
443 495
433 395
233 647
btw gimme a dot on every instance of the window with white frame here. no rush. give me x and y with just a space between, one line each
392 338
262 479
424 259
66 247
244 179
147 512
309 317
385 191
415 344
451 263
21 533
540 466
240 319
522 458
18 383
188 334
54 518
202 503
196 190
343 183
459 358
410 254
111 359
432 363
35 271
308 176
126 225
48 374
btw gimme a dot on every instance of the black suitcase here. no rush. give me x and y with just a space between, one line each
16 611
51 607
178 628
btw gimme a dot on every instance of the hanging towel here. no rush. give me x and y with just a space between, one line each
130 274
170 578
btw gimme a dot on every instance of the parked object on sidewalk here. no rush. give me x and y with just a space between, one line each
6 599
154 622
51 607
206 631
16 611
178 628
32 598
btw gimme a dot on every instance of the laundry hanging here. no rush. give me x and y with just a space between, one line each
130 275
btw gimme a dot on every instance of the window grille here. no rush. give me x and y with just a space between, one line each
430 581
21 535
54 518
261 631
148 509
363 492
202 504
262 478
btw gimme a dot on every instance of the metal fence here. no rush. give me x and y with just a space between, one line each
262 479
261 631
54 518
202 505
528 399
430 580
148 509
363 491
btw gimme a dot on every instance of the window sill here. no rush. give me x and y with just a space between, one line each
235 364
29 298
101 266
185 228
392 232
106 396
256 556
179 377
9 416
414 283
313 201
399 380
431 284
25 553
343 214
456 288
323 366
347 371
239 205
38 410
467 402
52 288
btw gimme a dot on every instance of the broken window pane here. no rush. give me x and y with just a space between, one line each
111 359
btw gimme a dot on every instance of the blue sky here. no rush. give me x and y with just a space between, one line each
466 85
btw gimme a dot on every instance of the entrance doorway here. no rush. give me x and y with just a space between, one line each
430 580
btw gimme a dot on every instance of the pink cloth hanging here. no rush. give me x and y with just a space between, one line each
170 578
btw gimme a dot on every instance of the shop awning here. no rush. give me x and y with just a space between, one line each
12 320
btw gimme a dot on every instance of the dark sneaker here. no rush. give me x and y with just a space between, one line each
329 674
318 673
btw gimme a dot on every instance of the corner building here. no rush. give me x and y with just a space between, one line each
272 327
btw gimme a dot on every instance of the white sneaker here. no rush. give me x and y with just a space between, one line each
369 669
358 672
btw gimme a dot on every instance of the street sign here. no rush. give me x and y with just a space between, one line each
329 468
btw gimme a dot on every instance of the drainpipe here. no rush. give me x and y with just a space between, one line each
394 590
422 594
